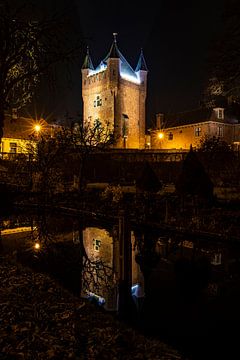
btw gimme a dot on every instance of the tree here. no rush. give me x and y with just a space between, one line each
45 165
50 156
214 145
193 179
219 159
29 48
84 139
148 180
224 59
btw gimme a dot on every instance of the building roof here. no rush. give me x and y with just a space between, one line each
196 116
87 64
141 65
126 71
115 53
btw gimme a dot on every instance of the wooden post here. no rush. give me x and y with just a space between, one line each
125 302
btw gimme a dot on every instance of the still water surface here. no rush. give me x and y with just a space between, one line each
185 291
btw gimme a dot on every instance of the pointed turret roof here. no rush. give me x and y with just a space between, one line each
87 64
141 65
115 53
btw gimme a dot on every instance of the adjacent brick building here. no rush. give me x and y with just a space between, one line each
180 131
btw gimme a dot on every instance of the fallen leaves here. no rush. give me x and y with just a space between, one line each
41 320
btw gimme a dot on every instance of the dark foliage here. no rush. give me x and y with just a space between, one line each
148 180
224 60
193 179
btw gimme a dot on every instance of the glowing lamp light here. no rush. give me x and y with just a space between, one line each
161 135
37 128
36 246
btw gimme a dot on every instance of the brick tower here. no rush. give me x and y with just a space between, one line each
114 93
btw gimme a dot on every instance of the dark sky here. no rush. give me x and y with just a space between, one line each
175 38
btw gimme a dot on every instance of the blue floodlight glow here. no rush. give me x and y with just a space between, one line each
134 288
130 78
92 296
124 73
101 67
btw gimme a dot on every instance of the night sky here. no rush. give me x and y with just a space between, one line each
175 38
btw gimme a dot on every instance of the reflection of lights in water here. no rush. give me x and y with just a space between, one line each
37 246
137 290
134 288
91 296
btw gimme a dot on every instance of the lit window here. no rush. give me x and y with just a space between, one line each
220 113
98 101
96 244
198 131
170 136
220 131
125 126
13 148
14 113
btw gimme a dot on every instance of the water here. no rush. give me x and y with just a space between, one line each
182 290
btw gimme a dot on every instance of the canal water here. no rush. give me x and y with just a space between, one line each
183 291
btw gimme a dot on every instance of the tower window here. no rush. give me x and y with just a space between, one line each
98 101
198 131
96 244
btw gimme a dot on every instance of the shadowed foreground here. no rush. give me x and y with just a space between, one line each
41 320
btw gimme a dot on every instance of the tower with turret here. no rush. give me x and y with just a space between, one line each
113 93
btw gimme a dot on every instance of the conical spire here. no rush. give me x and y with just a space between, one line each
141 65
87 64
114 52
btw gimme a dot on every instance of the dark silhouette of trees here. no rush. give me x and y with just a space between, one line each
53 159
193 179
219 159
148 180
224 60
82 140
30 47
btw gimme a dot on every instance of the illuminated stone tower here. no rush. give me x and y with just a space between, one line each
114 93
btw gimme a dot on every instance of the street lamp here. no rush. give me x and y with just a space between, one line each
37 128
161 135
